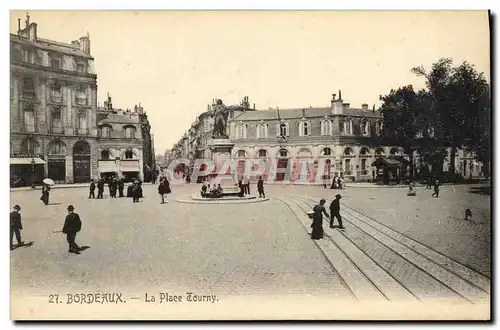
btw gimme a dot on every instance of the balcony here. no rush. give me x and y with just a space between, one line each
29 95
107 166
56 130
56 97
82 131
129 165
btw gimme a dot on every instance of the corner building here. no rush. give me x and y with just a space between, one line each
53 108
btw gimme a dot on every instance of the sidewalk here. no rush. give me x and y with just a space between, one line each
60 186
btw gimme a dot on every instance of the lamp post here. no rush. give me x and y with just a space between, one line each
33 173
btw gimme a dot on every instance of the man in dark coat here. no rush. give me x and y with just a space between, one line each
15 227
121 186
92 189
136 193
436 189
260 187
335 211
72 225
100 188
45 194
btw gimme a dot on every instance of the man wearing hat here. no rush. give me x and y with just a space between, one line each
72 225
335 211
15 226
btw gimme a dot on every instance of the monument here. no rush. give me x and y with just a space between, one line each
222 148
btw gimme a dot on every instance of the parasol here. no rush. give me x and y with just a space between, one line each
310 214
48 181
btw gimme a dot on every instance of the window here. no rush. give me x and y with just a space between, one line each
379 152
262 153
28 85
262 131
30 147
363 167
57 148
105 155
364 152
282 129
28 56
105 132
347 152
241 153
129 154
304 128
326 127
82 122
29 119
80 67
365 127
56 120
55 63
326 152
394 151
241 131
379 126
347 168
348 126
129 133
283 153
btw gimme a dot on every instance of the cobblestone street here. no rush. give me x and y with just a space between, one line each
259 249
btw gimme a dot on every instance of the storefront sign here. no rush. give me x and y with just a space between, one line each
26 156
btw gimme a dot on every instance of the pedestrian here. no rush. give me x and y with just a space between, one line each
100 188
163 189
110 187
45 194
436 189
72 225
247 185
335 211
135 191
15 226
429 183
334 182
317 225
203 190
260 187
341 182
121 186
411 190
92 189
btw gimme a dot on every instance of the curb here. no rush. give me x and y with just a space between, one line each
227 201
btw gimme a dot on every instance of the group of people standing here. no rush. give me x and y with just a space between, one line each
319 210
244 185
115 185
337 183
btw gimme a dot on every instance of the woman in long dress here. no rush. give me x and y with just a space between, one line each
317 225
45 194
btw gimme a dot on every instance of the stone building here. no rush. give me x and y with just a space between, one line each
148 151
53 108
335 138
120 143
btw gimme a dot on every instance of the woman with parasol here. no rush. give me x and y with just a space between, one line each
45 190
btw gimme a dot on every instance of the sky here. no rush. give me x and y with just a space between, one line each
175 62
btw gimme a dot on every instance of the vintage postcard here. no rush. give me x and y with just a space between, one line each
250 165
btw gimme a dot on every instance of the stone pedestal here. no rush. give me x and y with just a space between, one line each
221 150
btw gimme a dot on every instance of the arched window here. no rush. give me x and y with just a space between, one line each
283 153
326 127
282 129
262 131
348 126
129 132
30 147
57 148
304 128
364 151
348 151
379 126
241 131
394 151
326 152
241 153
129 154
105 155
365 127
379 152
262 153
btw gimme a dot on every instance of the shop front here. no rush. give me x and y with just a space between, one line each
107 169
26 170
390 170
130 169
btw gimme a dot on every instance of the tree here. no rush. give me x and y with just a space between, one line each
458 99
404 112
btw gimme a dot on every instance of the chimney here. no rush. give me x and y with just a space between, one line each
373 108
18 25
303 113
346 105
85 44
364 107
337 106
340 95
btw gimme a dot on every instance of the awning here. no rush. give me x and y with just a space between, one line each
26 161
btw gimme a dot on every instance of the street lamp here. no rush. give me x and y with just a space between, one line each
33 173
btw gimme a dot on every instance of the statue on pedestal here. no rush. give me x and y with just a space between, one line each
220 114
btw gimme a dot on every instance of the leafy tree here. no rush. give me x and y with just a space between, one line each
459 96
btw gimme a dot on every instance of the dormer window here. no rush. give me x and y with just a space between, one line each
282 129
304 128
129 132
365 127
55 63
262 130
80 67
326 127
241 131
348 126
379 126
